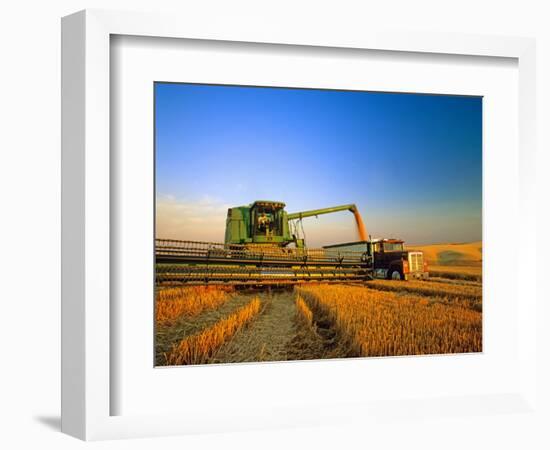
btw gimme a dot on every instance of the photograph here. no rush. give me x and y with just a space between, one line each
298 223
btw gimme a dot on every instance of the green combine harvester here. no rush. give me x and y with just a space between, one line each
263 245
267 223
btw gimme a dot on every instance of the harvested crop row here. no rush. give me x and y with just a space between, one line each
303 312
378 323
429 288
455 274
190 301
196 349
434 279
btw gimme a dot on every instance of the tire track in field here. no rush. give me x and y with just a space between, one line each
268 337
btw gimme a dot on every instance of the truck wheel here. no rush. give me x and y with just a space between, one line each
396 275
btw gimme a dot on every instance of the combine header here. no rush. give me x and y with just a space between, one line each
263 245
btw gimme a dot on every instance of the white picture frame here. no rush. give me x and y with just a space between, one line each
86 221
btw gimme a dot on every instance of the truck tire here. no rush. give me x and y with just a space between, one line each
395 275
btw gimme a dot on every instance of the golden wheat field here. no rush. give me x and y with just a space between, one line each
175 302
451 254
454 261
196 348
382 323
205 325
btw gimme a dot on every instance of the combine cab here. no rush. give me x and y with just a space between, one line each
260 223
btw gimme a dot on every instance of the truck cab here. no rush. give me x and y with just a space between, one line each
393 262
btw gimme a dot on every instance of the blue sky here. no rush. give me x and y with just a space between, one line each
412 163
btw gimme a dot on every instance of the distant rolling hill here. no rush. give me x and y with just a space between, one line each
451 254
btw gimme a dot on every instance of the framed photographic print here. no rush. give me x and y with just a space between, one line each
256 282
255 216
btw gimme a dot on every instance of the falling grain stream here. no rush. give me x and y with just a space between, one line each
360 225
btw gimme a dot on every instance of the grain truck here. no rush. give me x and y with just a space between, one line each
388 258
